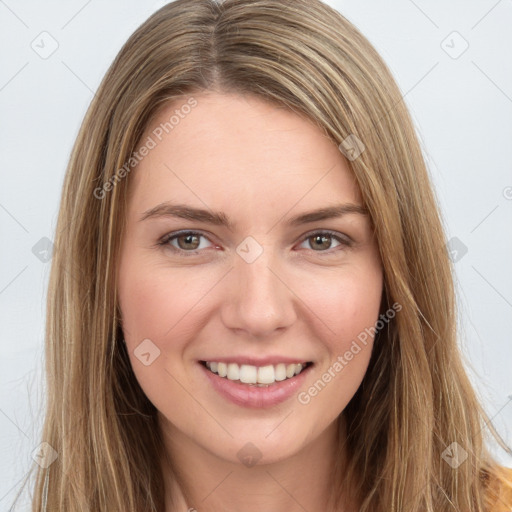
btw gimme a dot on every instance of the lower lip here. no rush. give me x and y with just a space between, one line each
254 396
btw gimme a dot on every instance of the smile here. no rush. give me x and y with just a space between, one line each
256 375
256 386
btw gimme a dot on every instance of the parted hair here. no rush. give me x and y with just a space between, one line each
416 398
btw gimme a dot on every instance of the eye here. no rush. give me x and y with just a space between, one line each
189 243
322 241
184 241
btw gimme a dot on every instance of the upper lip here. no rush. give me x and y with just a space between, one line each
257 361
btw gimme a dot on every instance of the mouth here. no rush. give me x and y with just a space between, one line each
257 376
256 386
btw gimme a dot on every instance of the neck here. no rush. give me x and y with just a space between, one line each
195 478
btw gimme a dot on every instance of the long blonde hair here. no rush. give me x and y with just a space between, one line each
415 399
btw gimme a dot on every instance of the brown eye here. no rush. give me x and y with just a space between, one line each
185 242
320 242
324 241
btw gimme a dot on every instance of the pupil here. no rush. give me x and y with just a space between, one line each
322 238
321 241
188 240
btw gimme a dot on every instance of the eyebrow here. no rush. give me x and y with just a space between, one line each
182 211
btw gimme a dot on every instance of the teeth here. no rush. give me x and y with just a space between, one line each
256 375
248 374
280 372
266 375
222 369
233 371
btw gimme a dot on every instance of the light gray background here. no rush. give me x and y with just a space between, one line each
461 104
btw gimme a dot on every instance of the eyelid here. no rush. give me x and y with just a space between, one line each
164 241
342 238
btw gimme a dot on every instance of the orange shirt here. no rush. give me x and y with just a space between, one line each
502 502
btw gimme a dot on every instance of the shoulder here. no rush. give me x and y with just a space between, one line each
500 491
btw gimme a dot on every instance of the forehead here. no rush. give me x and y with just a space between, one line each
239 150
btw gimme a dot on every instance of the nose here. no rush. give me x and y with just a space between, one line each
258 299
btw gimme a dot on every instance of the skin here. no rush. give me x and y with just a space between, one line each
260 165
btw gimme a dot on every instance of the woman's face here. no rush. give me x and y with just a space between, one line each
261 283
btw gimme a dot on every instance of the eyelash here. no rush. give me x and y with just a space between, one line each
345 242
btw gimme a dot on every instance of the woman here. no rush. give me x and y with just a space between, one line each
251 305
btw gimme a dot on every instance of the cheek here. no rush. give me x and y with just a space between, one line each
346 305
159 305
156 302
346 302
